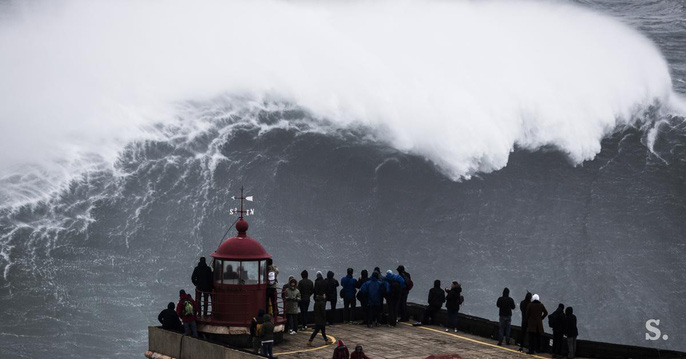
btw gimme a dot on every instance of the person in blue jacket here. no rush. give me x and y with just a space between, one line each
396 285
349 284
374 290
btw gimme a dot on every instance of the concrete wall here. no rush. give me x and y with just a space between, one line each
181 346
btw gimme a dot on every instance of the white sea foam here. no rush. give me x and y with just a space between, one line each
460 82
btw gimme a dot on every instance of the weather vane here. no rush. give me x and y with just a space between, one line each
242 198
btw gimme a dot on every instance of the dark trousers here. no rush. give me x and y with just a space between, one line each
270 302
349 305
430 315
363 305
293 322
331 315
304 307
504 329
392 310
373 314
267 348
204 303
451 321
557 341
571 346
317 328
534 342
402 307
522 334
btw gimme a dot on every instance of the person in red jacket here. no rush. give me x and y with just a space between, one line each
341 351
358 353
186 309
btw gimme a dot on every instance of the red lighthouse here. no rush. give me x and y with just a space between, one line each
240 285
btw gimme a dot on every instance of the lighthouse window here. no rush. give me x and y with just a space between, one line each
249 273
231 272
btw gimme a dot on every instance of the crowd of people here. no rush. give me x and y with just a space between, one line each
370 291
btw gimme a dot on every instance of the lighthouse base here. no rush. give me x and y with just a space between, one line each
235 336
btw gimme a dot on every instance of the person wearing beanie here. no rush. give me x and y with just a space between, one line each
436 300
402 304
571 332
522 307
452 304
535 314
349 284
505 305
169 319
331 296
203 279
358 353
556 320
341 351
306 288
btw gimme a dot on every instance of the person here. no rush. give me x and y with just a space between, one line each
306 288
349 284
229 273
571 332
556 320
319 310
169 319
272 285
255 327
364 276
435 301
292 299
266 334
505 305
402 305
535 313
452 304
396 285
186 309
204 284
522 307
285 286
341 351
374 291
331 296
358 353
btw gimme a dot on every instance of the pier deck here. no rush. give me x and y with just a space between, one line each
403 341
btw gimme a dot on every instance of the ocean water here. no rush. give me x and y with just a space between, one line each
538 145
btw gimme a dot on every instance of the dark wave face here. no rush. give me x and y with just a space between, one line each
87 269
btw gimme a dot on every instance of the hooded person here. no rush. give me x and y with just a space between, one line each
306 288
523 305
331 297
186 309
505 305
341 351
571 332
435 301
452 304
266 334
556 320
170 319
320 286
285 286
402 304
203 280
396 285
319 313
374 290
535 313
292 298
349 284
358 353
255 327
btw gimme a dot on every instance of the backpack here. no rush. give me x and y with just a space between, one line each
187 308
461 300
408 281
395 287
271 277
552 319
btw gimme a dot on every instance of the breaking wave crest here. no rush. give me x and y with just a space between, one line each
460 83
